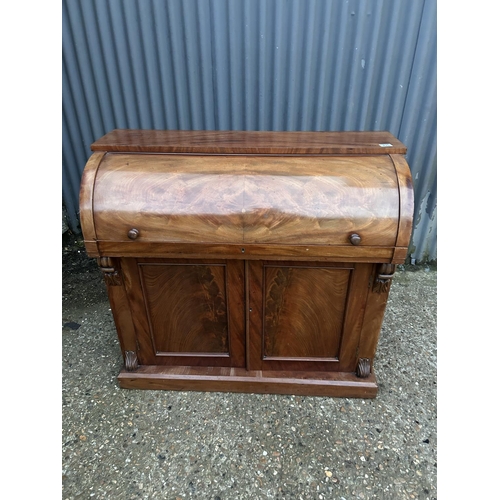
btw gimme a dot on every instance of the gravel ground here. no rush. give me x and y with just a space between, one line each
123 444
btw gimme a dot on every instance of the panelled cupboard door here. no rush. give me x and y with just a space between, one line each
187 312
305 316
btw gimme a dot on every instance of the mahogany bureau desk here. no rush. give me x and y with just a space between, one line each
248 261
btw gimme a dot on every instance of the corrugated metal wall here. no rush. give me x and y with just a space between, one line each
253 65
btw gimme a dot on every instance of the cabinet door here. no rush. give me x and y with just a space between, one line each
187 312
305 316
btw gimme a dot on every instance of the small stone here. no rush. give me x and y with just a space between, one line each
328 473
83 438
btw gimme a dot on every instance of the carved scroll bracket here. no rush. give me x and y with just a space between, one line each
363 368
131 363
111 271
385 273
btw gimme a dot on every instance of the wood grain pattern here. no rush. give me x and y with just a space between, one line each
247 200
182 311
248 142
374 315
406 200
251 252
122 317
248 261
355 312
340 308
399 255
187 307
137 314
87 201
185 378
303 311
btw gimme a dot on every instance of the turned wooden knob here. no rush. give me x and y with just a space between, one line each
133 233
355 239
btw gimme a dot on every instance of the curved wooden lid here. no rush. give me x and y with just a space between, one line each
247 199
326 195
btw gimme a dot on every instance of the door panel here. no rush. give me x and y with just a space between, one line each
187 307
304 311
302 315
188 312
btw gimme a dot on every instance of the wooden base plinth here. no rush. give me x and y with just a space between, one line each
182 378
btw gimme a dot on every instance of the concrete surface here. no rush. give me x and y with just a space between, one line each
122 444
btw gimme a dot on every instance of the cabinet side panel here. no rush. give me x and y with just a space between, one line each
374 317
120 307
132 282
355 311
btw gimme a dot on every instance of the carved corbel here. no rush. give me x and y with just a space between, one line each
363 368
111 271
385 273
131 363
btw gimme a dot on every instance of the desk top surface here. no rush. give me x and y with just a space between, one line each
249 142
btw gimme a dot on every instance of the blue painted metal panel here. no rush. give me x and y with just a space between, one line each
253 65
